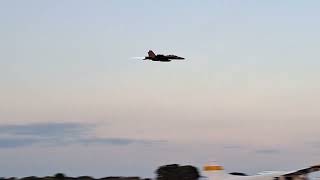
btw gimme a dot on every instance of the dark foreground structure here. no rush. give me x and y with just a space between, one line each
167 172
61 176
176 172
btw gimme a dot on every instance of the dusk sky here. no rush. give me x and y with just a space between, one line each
73 100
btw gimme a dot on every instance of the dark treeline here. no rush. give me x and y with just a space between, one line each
167 172
177 172
61 176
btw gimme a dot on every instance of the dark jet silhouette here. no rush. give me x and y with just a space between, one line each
160 57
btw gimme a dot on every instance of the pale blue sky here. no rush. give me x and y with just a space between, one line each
246 96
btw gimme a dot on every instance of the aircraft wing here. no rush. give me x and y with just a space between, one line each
304 171
173 57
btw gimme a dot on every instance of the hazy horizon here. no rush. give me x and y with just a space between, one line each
73 100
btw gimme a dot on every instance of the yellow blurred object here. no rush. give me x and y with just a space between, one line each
212 168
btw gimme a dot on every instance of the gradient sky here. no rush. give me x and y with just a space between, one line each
73 100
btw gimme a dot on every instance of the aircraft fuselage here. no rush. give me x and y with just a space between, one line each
161 57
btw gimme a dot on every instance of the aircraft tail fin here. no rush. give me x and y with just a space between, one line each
215 172
151 54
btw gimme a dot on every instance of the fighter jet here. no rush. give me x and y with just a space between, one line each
160 57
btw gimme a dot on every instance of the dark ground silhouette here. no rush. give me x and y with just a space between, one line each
167 172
